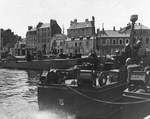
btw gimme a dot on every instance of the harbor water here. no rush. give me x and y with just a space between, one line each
18 95
18 98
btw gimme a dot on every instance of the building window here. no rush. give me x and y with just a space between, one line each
127 41
75 44
61 43
114 41
103 41
120 41
87 44
107 41
134 40
66 45
147 40
39 40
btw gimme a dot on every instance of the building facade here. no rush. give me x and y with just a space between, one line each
81 36
20 48
58 42
39 38
84 46
110 41
31 38
141 33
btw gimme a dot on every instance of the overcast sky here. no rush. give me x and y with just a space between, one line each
19 14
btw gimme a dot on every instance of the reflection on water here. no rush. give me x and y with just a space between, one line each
18 96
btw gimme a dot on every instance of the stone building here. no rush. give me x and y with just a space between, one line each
1 41
141 33
20 48
80 37
39 37
31 38
110 41
58 42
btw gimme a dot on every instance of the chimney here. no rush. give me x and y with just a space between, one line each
29 28
39 24
97 31
114 28
52 22
75 21
103 31
93 18
71 23
86 20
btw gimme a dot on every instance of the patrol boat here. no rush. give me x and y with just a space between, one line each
86 90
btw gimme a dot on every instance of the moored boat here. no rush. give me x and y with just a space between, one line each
136 100
40 64
84 91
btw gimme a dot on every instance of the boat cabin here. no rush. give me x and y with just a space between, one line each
88 72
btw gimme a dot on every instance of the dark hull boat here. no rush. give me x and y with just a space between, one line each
40 64
136 99
89 103
136 105
80 92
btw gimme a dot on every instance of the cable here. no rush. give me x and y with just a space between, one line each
108 102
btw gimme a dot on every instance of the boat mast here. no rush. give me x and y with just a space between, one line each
94 35
133 19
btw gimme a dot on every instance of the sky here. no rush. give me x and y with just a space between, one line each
17 15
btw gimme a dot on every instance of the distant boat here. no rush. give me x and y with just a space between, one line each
40 64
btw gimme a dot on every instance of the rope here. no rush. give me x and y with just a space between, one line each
108 102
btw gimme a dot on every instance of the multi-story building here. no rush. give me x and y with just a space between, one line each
110 41
141 33
20 48
81 37
31 38
84 46
58 42
1 42
40 36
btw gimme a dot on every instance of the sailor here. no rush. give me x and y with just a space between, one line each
28 56
70 55
93 54
61 55
94 57
128 61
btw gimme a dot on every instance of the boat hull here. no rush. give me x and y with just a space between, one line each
81 102
137 106
41 64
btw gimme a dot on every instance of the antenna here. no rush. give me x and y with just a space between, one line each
63 29
141 24
102 25
141 17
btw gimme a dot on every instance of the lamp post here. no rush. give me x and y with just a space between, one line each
133 19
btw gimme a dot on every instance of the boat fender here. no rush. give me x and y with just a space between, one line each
102 79
52 77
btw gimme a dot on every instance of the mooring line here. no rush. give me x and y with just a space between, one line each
108 102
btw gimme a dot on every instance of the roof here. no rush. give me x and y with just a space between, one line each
81 25
112 33
33 29
60 37
140 26
45 25
137 26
